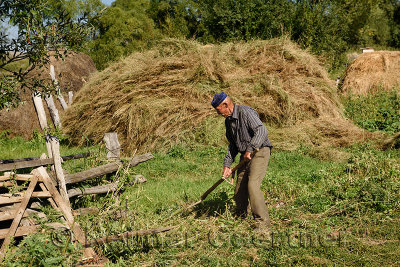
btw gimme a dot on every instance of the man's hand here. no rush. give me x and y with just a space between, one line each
247 156
226 172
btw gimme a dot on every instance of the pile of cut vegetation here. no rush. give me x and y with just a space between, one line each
372 71
71 74
161 97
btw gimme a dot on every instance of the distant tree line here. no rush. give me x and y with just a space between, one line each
328 27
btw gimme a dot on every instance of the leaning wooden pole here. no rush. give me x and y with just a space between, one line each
53 110
37 101
55 148
55 82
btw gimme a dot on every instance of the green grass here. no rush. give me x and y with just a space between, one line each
306 196
379 111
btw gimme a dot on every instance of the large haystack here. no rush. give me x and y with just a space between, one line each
162 97
371 71
71 73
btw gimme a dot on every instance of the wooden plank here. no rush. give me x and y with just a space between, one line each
55 148
104 169
101 189
38 103
92 173
9 200
10 214
65 158
19 213
65 209
25 164
18 177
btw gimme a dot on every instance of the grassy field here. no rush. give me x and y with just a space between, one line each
322 212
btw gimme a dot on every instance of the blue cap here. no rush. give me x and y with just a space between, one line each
218 99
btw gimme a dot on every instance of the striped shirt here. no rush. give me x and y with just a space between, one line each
245 133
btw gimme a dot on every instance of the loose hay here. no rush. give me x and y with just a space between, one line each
371 71
74 70
161 97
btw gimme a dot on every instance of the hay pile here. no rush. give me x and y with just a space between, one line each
71 73
162 97
371 71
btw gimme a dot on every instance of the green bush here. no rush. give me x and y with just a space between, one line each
375 112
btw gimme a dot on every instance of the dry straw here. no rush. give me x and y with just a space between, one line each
371 71
161 97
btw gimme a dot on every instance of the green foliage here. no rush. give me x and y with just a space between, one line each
176 18
122 29
375 112
43 26
39 250
328 28
9 97
227 20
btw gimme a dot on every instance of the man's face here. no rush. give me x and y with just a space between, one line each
223 110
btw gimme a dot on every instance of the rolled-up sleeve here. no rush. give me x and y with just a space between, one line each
258 128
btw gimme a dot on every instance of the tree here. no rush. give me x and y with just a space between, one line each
177 18
42 27
122 29
244 20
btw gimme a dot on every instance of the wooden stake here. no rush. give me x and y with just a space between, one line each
53 110
37 101
70 96
20 212
55 81
55 149
112 145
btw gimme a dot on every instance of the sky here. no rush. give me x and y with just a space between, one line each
107 2
12 31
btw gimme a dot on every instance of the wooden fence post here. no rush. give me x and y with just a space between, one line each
59 95
53 110
112 145
37 101
70 96
55 148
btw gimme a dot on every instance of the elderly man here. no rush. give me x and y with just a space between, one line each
246 134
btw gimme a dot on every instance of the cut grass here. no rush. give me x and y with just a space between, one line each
307 197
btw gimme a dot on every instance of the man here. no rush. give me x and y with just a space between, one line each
246 134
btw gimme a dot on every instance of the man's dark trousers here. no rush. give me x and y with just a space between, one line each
248 184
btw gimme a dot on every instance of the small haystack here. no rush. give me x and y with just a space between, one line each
71 73
161 97
371 71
